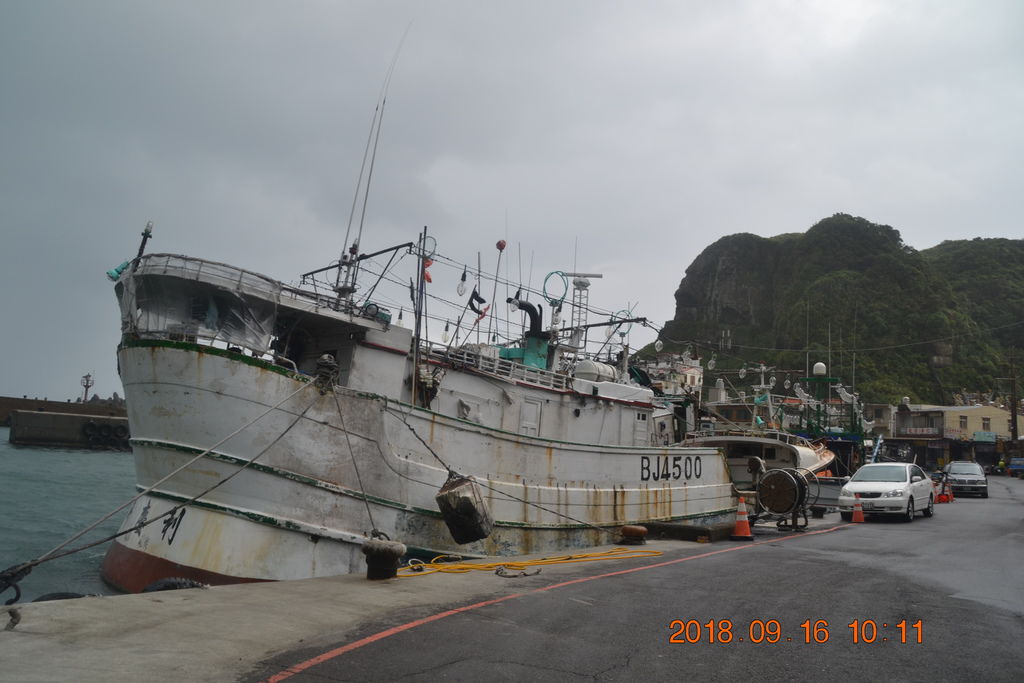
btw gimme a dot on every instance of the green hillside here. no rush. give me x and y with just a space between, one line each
899 322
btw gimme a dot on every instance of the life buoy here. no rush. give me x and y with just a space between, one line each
89 428
105 430
120 431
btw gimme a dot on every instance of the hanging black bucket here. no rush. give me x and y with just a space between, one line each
464 511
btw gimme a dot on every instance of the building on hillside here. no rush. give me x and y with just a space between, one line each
675 374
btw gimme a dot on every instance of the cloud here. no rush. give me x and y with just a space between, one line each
620 138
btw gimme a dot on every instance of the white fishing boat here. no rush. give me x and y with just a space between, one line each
277 428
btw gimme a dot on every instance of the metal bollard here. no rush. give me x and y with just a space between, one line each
382 558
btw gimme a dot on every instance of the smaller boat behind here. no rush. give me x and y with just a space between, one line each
775 470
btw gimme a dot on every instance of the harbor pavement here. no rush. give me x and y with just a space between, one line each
225 632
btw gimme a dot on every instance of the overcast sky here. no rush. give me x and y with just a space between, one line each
619 138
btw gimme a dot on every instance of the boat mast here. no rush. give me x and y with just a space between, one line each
418 301
348 262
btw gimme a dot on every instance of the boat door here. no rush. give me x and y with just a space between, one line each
529 417
641 429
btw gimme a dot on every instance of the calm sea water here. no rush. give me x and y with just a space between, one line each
48 495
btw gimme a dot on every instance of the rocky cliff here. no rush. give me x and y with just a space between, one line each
898 322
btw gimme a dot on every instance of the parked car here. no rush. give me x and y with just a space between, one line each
889 488
967 477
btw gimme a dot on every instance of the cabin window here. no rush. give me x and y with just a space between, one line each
986 424
963 422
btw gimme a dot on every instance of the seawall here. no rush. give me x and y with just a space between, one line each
37 428
104 408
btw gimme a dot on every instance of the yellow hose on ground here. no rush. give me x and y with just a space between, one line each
416 568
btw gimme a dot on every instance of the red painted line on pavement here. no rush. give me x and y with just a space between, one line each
683 559
337 652
331 654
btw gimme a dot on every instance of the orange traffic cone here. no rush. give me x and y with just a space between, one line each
858 510
742 530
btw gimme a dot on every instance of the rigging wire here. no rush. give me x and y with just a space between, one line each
375 533
233 434
10 576
445 261
509 496
374 136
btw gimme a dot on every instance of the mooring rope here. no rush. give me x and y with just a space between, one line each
375 532
417 568
12 575
504 494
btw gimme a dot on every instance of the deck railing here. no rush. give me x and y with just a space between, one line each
464 357
248 282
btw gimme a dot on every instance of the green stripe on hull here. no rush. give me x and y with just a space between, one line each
334 488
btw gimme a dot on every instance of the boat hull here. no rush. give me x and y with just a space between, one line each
251 473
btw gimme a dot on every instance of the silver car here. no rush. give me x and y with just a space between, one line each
965 476
890 488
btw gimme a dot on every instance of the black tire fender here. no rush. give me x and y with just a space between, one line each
60 595
172 583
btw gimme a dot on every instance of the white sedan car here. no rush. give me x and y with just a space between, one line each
892 488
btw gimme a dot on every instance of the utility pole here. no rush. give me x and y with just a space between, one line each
1014 405
1014 449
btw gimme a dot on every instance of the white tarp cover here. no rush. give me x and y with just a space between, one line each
175 297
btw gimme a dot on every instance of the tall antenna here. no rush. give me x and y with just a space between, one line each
349 253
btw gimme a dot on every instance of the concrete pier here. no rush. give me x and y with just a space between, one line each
224 632
101 408
69 430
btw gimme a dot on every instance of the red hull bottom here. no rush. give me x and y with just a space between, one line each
130 570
